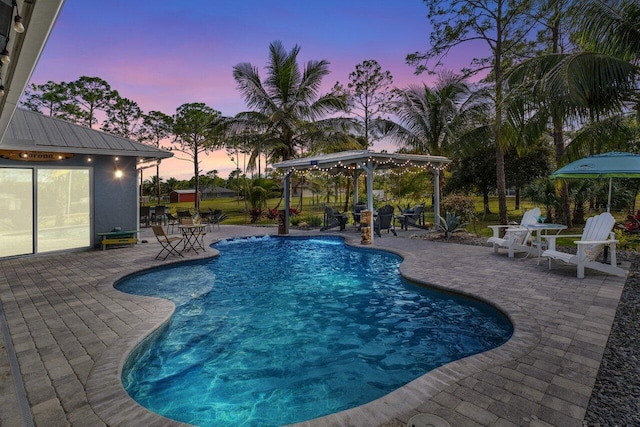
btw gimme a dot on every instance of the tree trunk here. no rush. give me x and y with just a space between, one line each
501 186
485 200
497 128
196 200
158 180
517 198
347 193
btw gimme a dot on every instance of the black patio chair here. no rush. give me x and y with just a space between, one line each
413 217
333 218
159 215
356 213
384 221
217 216
145 215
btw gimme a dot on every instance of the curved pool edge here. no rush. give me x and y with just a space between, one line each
105 391
114 406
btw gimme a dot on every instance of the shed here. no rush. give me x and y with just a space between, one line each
182 196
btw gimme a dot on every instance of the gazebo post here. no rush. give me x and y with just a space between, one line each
436 196
369 168
287 199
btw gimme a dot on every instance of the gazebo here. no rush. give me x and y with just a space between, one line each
356 162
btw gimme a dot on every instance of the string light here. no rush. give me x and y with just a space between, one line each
18 26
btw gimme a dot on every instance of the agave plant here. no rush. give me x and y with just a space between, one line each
451 223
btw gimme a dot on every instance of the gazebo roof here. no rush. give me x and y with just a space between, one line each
347 160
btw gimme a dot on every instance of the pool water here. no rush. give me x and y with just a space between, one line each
283 330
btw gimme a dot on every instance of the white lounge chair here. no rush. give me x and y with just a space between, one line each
598 232
515 236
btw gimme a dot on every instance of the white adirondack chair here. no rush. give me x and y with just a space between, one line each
515 236
598 232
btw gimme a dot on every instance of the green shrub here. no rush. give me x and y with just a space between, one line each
460 205
314 220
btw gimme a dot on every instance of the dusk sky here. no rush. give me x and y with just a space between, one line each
163 54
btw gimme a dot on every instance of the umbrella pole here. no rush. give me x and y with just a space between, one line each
609 199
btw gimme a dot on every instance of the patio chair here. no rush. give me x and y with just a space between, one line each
159 215
145 215
384 221
333 218
597 233
172 221
183 214
356 213
412 217
206 217
217 217
169 243
515 236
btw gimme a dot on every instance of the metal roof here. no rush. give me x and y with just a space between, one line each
29 130
354 158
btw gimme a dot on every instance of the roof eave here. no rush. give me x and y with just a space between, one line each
39 18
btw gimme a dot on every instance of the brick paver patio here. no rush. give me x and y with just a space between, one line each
72 331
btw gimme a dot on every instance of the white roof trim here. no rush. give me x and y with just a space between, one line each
346 159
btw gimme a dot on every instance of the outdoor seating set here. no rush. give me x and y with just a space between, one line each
193 228
153 215
533 235
384 218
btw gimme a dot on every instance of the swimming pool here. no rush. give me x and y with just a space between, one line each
282 330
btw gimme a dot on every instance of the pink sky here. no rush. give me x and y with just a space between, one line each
163 54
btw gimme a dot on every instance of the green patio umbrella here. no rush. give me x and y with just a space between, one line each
608 165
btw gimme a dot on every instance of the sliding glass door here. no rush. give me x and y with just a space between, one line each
16 221
64 215
62 212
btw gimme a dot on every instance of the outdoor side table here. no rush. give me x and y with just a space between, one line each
193 236
539 228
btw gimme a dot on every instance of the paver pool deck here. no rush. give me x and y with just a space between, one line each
72 331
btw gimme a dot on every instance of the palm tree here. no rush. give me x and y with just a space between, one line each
426 115
287 109
588 88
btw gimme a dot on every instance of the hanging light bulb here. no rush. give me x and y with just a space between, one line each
5 58
1 90
18 27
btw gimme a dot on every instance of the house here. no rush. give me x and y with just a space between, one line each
216 192
65 183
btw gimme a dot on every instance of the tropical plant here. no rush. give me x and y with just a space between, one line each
287 109
587 88
503 26
542 191
451 223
